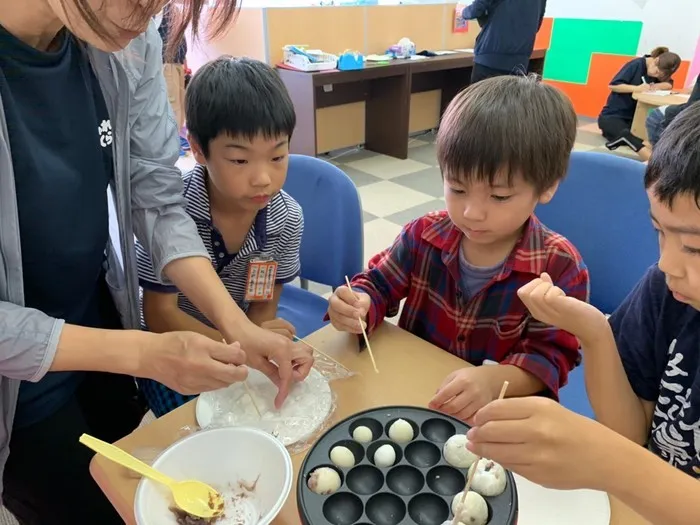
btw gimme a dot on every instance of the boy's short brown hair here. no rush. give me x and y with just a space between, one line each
509 124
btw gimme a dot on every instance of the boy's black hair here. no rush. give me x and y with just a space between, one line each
674 167
240 97
509 124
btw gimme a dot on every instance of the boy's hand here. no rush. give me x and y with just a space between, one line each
542 441
345 307
280 326
463 393
549 304
302 361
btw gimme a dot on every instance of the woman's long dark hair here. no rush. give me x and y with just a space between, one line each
187 13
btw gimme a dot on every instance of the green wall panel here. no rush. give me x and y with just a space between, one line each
574 40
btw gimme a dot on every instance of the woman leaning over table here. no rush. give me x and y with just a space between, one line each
78 113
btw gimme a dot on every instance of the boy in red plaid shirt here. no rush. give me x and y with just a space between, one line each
503 146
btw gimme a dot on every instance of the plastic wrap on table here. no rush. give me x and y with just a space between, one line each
330 368
304 416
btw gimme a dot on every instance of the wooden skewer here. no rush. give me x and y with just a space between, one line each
470 477
364 333
324 354
248 391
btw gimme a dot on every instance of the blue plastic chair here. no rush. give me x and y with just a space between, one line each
602 208
333 241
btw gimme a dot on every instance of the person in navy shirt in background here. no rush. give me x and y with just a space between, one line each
648 73
240 120
659 118
507 37
643 367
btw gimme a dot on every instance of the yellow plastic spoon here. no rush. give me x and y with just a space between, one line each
193 497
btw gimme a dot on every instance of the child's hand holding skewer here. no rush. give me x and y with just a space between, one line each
346 307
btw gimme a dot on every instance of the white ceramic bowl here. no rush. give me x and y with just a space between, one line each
222 457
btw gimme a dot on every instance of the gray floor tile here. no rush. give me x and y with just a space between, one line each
344 157
589 138
367 216
426 181
404 217
582 121
360 178
424 154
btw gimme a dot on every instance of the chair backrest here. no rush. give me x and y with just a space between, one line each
602 208
333 242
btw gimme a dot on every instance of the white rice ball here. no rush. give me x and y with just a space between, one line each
473 511
362 434
385 456
324 480
401 431
342 457
489 479
456 452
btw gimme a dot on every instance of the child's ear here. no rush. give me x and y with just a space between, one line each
196 149
549 193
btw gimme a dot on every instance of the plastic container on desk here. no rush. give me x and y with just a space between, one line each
349 61
299 58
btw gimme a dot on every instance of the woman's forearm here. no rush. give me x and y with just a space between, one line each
195 277
656 490
624 88
91 349
172 319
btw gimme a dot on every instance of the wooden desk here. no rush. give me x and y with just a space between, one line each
386 90
645 103
411 383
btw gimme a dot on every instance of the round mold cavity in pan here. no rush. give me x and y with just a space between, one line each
385 508
445 480
413 424
364 480
371 423
356 448
405 480
342 508
428 509
438 430
422 454
376 444
503 508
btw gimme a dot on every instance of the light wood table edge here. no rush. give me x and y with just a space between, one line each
168 429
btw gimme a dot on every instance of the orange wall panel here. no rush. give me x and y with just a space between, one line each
544 35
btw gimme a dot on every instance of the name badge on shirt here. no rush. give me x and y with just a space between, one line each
262 274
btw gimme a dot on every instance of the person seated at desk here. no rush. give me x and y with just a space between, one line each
659 118
459 269
507 38
647 73
240 120
550 445
643 364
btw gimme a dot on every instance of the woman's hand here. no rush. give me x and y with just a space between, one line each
543 441
273 355
549 304
191 363
280 326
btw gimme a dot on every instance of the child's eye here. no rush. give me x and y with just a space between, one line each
279 159
691 251
238 162
456 191
501 198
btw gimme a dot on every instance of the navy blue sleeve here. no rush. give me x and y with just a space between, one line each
479 9
630 73
634 325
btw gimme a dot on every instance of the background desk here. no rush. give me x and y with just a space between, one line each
404 380
387 92
645 103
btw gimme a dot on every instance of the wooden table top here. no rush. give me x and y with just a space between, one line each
404 379
660 100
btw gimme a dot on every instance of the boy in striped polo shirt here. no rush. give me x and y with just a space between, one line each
503 146
240 119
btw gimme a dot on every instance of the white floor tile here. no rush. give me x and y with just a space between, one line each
384 198
379 235
387 167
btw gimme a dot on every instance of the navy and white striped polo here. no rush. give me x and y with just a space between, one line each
275 234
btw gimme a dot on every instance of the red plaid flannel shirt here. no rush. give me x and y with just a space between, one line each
422 266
